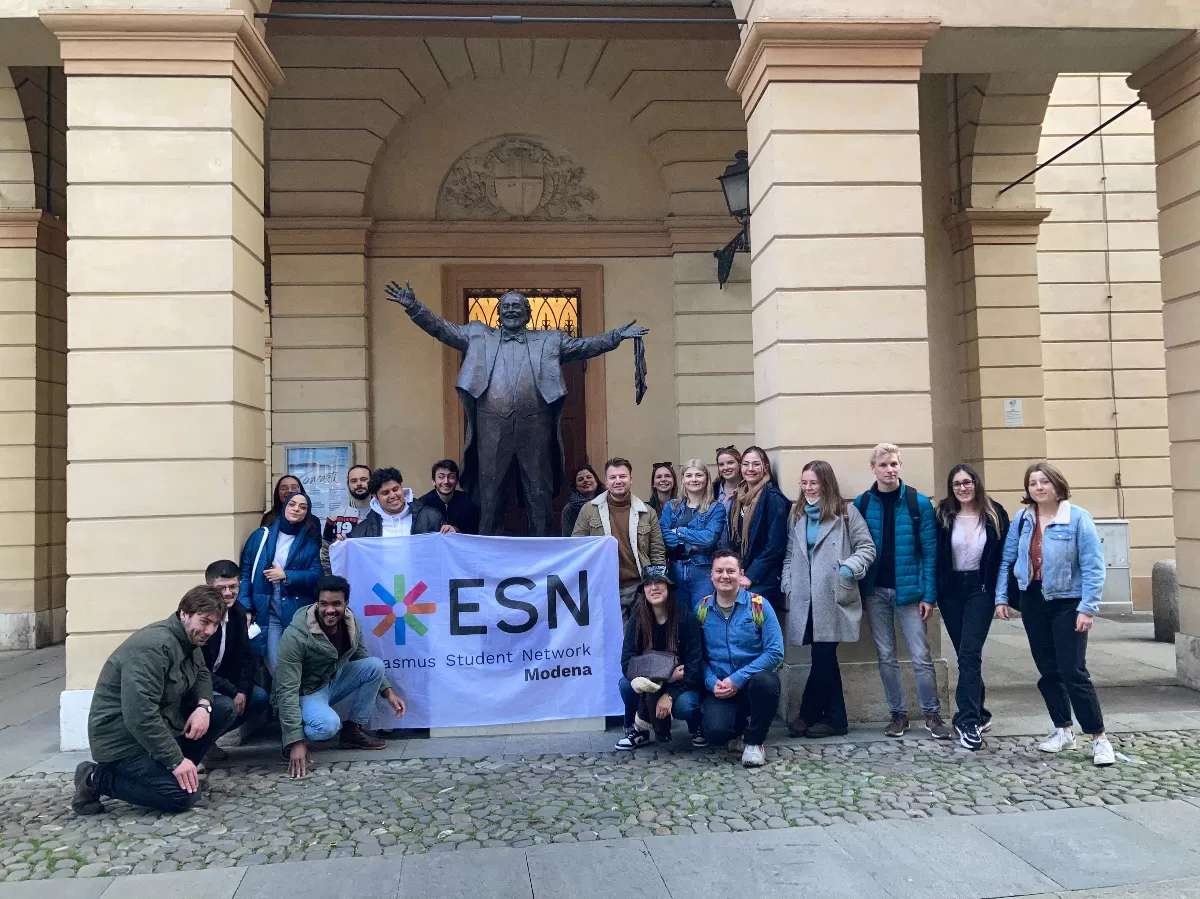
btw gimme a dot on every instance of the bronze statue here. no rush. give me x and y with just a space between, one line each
512 388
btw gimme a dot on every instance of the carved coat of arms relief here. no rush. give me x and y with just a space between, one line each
515 177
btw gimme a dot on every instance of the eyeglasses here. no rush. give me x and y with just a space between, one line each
752 464
959 485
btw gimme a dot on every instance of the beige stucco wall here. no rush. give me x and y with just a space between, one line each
406 371
1101 314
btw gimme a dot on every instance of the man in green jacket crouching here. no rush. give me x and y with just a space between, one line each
322 660
153 714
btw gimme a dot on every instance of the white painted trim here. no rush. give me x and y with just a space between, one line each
73 708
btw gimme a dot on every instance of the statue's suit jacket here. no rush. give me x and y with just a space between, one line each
480 343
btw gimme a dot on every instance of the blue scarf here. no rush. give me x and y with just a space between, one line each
813 514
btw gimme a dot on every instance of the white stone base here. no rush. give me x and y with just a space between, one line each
32 630
73 708
1187 661
558 726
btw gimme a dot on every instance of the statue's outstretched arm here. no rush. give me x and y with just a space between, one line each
576 348
429 322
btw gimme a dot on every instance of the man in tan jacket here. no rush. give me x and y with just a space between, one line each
618 513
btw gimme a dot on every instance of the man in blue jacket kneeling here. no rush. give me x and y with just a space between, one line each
743 649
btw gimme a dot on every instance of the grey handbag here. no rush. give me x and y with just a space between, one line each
656 665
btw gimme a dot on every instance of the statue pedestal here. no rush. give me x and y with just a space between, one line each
558 726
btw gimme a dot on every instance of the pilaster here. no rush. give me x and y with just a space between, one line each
995 253
166 304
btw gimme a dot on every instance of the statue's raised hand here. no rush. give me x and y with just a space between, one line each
629 331
402 295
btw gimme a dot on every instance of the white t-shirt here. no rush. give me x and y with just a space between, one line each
283 545
967 541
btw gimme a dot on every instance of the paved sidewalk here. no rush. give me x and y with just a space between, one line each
565 815
1083 854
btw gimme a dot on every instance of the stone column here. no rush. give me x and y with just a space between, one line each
320 365
165 281
33 429
995 252
1170 86
841 356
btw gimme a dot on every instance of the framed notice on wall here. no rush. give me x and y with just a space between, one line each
322 469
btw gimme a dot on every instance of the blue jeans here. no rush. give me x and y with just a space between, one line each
258 700
693 582
686 707
140 780
884 613
362 679
275 629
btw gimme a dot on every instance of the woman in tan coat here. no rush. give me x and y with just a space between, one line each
829 550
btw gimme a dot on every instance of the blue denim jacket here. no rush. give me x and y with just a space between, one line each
1072 557
701 535
738 649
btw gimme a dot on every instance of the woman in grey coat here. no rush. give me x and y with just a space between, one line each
829 550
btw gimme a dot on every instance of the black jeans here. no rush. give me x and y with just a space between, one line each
823 701
1060 653
968 610
140 780
748 714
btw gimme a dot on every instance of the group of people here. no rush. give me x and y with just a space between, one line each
806 572
715 580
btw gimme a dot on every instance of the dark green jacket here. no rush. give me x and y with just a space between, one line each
145 693
308 662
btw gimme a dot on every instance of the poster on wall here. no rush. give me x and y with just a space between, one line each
322 469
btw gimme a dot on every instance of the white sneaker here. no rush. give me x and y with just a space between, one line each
756 756
1102 753
1060 738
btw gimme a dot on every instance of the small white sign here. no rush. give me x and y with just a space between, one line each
1014 414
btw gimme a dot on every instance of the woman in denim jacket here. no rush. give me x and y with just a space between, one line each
1054 553
691 527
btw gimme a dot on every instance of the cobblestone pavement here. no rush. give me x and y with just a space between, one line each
256 815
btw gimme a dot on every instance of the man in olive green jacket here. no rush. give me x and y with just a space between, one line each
322 660
153 714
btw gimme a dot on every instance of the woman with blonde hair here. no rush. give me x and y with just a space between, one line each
829 550
758 527
692 526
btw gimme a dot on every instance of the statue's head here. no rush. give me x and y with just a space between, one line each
515 311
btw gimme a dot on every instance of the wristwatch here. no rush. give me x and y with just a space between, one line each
204 704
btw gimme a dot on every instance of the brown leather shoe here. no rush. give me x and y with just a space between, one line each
797 726
354 737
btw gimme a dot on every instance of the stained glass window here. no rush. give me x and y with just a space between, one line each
554 309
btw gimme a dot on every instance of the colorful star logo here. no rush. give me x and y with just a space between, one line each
411 610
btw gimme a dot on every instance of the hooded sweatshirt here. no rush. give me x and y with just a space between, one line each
396 525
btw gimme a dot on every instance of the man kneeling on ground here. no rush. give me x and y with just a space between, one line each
743 648
322 660
153 714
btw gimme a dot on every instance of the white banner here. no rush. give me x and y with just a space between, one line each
489 630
